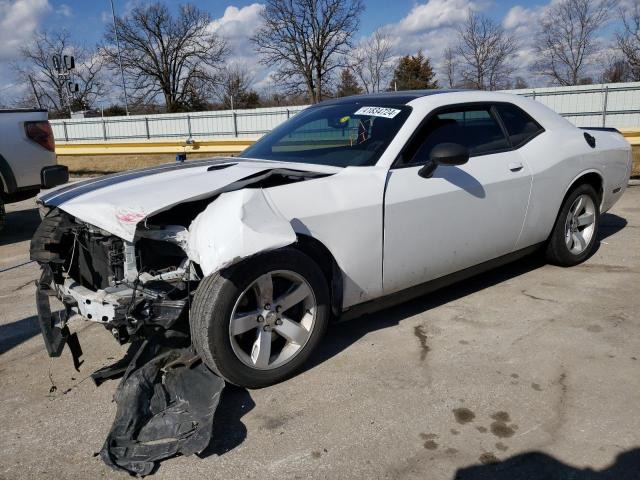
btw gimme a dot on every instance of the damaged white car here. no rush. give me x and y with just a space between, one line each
351 205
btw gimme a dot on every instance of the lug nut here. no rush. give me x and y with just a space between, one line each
278 321
267 328
278 309
267 306
260 318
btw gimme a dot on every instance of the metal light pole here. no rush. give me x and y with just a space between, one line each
115 31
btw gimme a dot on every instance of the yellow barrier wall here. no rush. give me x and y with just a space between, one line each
233 145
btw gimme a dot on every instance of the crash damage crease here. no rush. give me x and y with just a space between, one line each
140 288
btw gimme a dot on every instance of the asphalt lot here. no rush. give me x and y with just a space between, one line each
533 366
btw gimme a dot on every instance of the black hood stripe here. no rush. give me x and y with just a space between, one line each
75 190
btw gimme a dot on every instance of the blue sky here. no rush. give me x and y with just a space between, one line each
85 18
429 25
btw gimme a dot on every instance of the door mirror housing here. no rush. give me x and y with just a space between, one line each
445 154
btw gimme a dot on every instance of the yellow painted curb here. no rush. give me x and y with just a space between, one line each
632 135
235 145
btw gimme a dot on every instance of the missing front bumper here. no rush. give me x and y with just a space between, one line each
124 310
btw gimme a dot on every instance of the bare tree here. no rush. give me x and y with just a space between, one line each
485 51
629 39
234 89
566 43
449 66
306 40
519 83
372 62
617 70
165 56
48 88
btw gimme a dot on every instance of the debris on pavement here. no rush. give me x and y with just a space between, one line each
166 402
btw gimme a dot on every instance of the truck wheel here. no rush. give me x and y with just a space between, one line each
256 323
574 234
2 214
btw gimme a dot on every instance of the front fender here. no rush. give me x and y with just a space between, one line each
235 226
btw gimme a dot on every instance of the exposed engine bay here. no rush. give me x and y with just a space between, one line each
129 288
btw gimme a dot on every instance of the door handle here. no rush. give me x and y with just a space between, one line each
515 166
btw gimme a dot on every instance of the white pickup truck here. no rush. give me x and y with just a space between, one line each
27 156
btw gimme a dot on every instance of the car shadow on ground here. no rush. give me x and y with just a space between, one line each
14 333
610 223
341 335
540 466
19 226
228 429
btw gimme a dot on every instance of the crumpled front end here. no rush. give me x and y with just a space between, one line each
140 291
130 288
144 286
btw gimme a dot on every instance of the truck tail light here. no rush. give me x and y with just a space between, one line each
41 133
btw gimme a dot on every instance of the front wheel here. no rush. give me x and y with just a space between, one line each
574 234
257 323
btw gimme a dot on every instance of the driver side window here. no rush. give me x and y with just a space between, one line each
474 127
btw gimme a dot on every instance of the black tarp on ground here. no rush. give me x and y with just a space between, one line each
166 403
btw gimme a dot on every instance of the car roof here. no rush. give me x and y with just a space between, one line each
386 98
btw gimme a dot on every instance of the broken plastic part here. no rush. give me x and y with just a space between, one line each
166 403
235 226
55 336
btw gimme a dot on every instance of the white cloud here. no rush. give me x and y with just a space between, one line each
434 14
235 18
517 16
19 20
430 26
64 10
237 26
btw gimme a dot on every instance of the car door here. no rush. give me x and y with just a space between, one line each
461 216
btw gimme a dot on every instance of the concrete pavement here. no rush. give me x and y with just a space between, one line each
532 366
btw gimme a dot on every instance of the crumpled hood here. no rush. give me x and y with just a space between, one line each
117 203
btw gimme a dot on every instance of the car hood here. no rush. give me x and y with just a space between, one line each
117 203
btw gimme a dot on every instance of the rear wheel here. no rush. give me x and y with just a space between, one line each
257 323
574 233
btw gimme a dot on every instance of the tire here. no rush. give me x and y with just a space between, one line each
236 294
572 240
3 214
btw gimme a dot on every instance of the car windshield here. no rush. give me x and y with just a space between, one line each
341 135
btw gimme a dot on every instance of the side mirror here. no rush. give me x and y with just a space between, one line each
445 154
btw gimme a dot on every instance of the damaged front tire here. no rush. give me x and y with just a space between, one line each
256 323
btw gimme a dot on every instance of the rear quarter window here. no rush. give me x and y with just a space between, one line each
519 124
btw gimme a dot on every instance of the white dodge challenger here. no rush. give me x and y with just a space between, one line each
351 205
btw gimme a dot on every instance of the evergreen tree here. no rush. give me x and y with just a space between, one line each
348 84
413 72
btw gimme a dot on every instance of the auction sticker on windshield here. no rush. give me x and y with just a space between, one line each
378 112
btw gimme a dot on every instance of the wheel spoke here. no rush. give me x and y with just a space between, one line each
261 350
578 239
272 320
293 296
292 331
585 219
568 239
244 322
264 285
577 206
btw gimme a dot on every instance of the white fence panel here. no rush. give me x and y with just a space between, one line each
610 105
